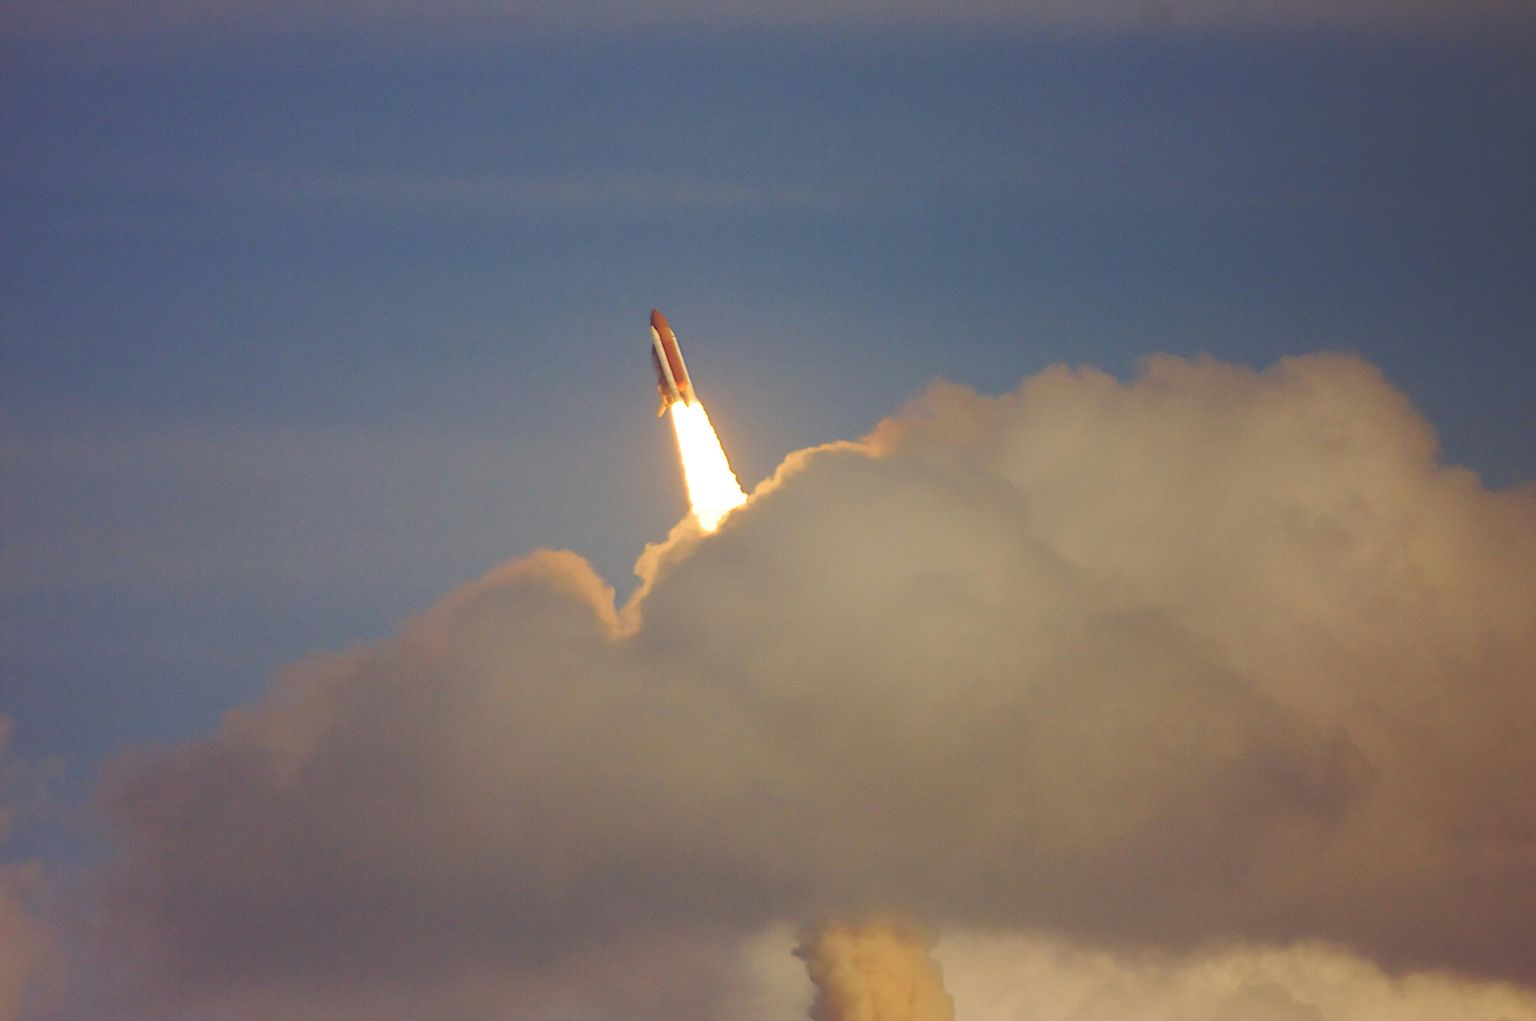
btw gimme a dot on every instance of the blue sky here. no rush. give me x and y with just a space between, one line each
305 323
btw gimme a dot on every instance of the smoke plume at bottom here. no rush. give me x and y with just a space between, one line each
877 970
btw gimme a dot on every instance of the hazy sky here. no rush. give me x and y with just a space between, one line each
310 314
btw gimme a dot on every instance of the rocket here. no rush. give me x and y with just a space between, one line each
671 374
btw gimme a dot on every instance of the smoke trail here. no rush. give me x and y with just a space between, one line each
878 970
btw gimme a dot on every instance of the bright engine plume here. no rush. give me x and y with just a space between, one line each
713 491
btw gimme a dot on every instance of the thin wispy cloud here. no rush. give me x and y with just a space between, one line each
404 19
512 193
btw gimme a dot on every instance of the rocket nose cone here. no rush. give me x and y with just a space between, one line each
658 321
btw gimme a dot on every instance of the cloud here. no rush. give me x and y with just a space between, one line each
30 959
1212 658
395 18
1013 977
878 970
1033 976
502 193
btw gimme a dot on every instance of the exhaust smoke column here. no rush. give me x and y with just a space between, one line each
713 491
879 970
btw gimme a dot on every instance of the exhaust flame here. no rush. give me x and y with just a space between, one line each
713 491
881 970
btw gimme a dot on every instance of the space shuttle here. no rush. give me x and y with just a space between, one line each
671 373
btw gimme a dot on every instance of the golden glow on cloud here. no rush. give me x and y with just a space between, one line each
713 491
879 970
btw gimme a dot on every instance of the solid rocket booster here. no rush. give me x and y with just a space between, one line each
671 373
